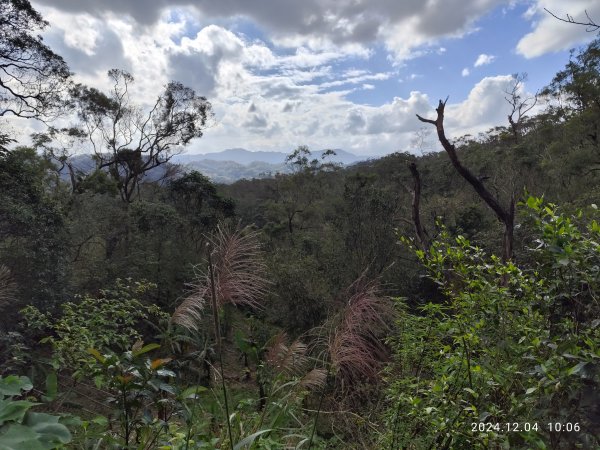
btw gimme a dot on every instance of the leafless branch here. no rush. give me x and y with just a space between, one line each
506 216
591 25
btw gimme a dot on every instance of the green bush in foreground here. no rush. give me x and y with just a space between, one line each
511 358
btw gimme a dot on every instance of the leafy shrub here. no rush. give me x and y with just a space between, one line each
510 345
109 321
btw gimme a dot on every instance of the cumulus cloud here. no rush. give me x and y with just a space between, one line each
287 90
483 60
484 108
550 34
316 24
465 72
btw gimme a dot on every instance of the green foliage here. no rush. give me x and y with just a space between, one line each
143 400
578 82
22 429
509 345
32 231
109 321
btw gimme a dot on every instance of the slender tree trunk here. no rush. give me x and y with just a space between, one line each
416 202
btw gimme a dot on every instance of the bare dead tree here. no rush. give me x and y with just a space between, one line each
504 215
421 141
520 103
591 25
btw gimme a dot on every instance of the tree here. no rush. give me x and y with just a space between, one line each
504 215
33 78
578 84
489 354
33 242
128 141
297 192
57 145
519 104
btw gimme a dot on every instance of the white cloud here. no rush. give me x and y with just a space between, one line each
316 24
269 98
550 34
465 72
484 108
483 60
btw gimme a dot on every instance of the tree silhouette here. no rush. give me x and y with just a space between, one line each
33 78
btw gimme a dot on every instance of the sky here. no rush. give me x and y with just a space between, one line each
347 74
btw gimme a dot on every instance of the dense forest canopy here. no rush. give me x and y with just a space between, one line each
442 301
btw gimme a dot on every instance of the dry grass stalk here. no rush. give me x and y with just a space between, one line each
288 359
239 276
355 347
314 380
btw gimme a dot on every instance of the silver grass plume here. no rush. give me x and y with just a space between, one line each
355 347
239 275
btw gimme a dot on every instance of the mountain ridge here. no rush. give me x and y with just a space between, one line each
246 157
226 166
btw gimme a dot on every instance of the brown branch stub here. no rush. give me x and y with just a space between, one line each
422 119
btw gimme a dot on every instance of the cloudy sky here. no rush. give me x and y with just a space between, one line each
345 74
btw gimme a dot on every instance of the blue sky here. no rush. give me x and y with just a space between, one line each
347 74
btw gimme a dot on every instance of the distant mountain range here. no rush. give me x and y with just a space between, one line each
245 157
234 164
229 165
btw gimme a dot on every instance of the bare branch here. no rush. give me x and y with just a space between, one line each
519 106
506 216
591 25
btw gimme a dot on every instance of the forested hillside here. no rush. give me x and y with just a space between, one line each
446 300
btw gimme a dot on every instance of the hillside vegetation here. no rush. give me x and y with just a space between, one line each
371 307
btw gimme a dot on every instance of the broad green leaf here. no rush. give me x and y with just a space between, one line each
51 387
13 385
192 392
14 410
166 373
19 437
167 388
96 354
100 420
577 368
144 349
47 426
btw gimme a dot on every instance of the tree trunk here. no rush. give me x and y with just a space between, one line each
506 216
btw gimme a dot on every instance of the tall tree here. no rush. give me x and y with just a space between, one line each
578 84
32 77
129 141
504 215
520 103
